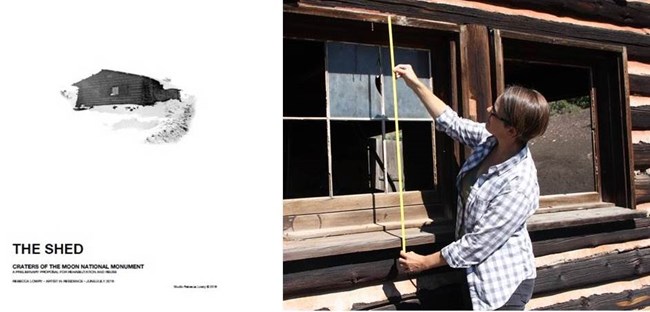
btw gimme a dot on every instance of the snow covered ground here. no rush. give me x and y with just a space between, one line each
163 122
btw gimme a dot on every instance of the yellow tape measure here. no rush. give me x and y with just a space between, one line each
398 136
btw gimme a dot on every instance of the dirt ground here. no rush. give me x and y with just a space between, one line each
564 155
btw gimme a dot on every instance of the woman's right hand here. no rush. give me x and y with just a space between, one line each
406 72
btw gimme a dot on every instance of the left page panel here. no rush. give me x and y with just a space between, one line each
137 156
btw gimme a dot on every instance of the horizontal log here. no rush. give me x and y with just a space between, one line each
308 272
641 155
354 243
539 302
624 13
639 85
585 253
562 240
640 117
355 202
580 273
634 299
564 219
642 188
347 218
344 272
550 201
638 45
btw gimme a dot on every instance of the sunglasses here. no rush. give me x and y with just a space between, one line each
505 121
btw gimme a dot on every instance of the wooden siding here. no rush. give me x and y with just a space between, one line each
624 13
96 89
468 12
569 283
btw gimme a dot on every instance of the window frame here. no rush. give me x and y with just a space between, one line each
613 161
437 205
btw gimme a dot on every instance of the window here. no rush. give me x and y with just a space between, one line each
115 91
339 136
347 145
585 149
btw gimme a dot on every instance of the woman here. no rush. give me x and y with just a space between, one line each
497 192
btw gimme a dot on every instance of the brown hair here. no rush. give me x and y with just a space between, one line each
526 109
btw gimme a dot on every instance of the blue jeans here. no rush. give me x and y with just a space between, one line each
521 296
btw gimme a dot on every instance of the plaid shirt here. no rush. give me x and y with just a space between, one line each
492 242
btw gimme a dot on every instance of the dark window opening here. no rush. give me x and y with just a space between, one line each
305 159
564 154
361 156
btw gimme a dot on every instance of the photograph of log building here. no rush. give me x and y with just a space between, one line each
109 87
341 209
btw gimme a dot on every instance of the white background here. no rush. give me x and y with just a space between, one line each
205 210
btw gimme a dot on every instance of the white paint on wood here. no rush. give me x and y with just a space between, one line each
587 253
638 68
639 100
640 136
616 287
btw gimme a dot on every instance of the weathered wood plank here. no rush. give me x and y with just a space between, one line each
354 270
642 188
296 207
475 69
550 201
565 219
373 17
574 207
627 300
355 243
625 13
355 229
639 85
353 273
347 218
641 155
640 117
580 273
589 236
638 46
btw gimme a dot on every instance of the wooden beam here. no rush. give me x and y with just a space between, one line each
638 45
581 273
349 271
475 69
355 243
571 218
374 17
639 85
540 302
641 155
347 300
634 299
583 254
642 188
640 117
589 236
550 201
294 207
625 13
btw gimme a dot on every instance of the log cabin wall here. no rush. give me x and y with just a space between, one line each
569 251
